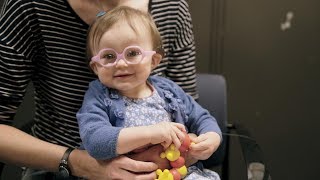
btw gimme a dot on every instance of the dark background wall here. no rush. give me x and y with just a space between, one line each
273 74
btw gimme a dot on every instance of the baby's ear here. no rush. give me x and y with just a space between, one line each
93 66
156 58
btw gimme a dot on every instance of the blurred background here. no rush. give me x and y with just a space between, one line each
269 53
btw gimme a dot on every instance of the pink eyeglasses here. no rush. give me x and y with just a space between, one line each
131 55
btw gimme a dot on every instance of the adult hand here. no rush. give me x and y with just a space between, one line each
152 154
122 167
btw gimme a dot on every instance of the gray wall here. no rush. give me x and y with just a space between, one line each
272 74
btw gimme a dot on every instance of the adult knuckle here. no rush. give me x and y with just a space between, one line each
135 165
113 175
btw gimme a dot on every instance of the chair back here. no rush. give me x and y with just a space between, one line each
213 97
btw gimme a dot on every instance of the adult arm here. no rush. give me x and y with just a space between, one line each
182 66
19 41
22 149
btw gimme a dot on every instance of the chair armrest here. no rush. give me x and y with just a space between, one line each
252 153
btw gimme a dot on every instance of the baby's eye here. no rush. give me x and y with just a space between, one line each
109 56
133 53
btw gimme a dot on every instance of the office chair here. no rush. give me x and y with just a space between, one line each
212 91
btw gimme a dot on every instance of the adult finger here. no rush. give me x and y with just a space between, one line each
124 174
137 166
145 176
148 154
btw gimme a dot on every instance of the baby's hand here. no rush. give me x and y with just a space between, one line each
167 133
204 145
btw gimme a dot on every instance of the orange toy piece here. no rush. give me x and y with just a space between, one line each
176 175
185 144
177 162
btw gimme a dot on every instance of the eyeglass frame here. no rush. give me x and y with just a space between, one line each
97 58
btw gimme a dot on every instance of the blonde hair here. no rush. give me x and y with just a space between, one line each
133 17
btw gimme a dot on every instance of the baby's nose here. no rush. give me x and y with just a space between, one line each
121 62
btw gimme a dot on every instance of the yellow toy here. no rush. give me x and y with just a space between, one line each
171 153
165 175
177 162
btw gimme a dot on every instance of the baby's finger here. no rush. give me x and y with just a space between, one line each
192 136
201 146
175 139
179 133
180 126
201 155
200 138
165 144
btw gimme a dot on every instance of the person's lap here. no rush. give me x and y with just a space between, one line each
194 173
34 174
